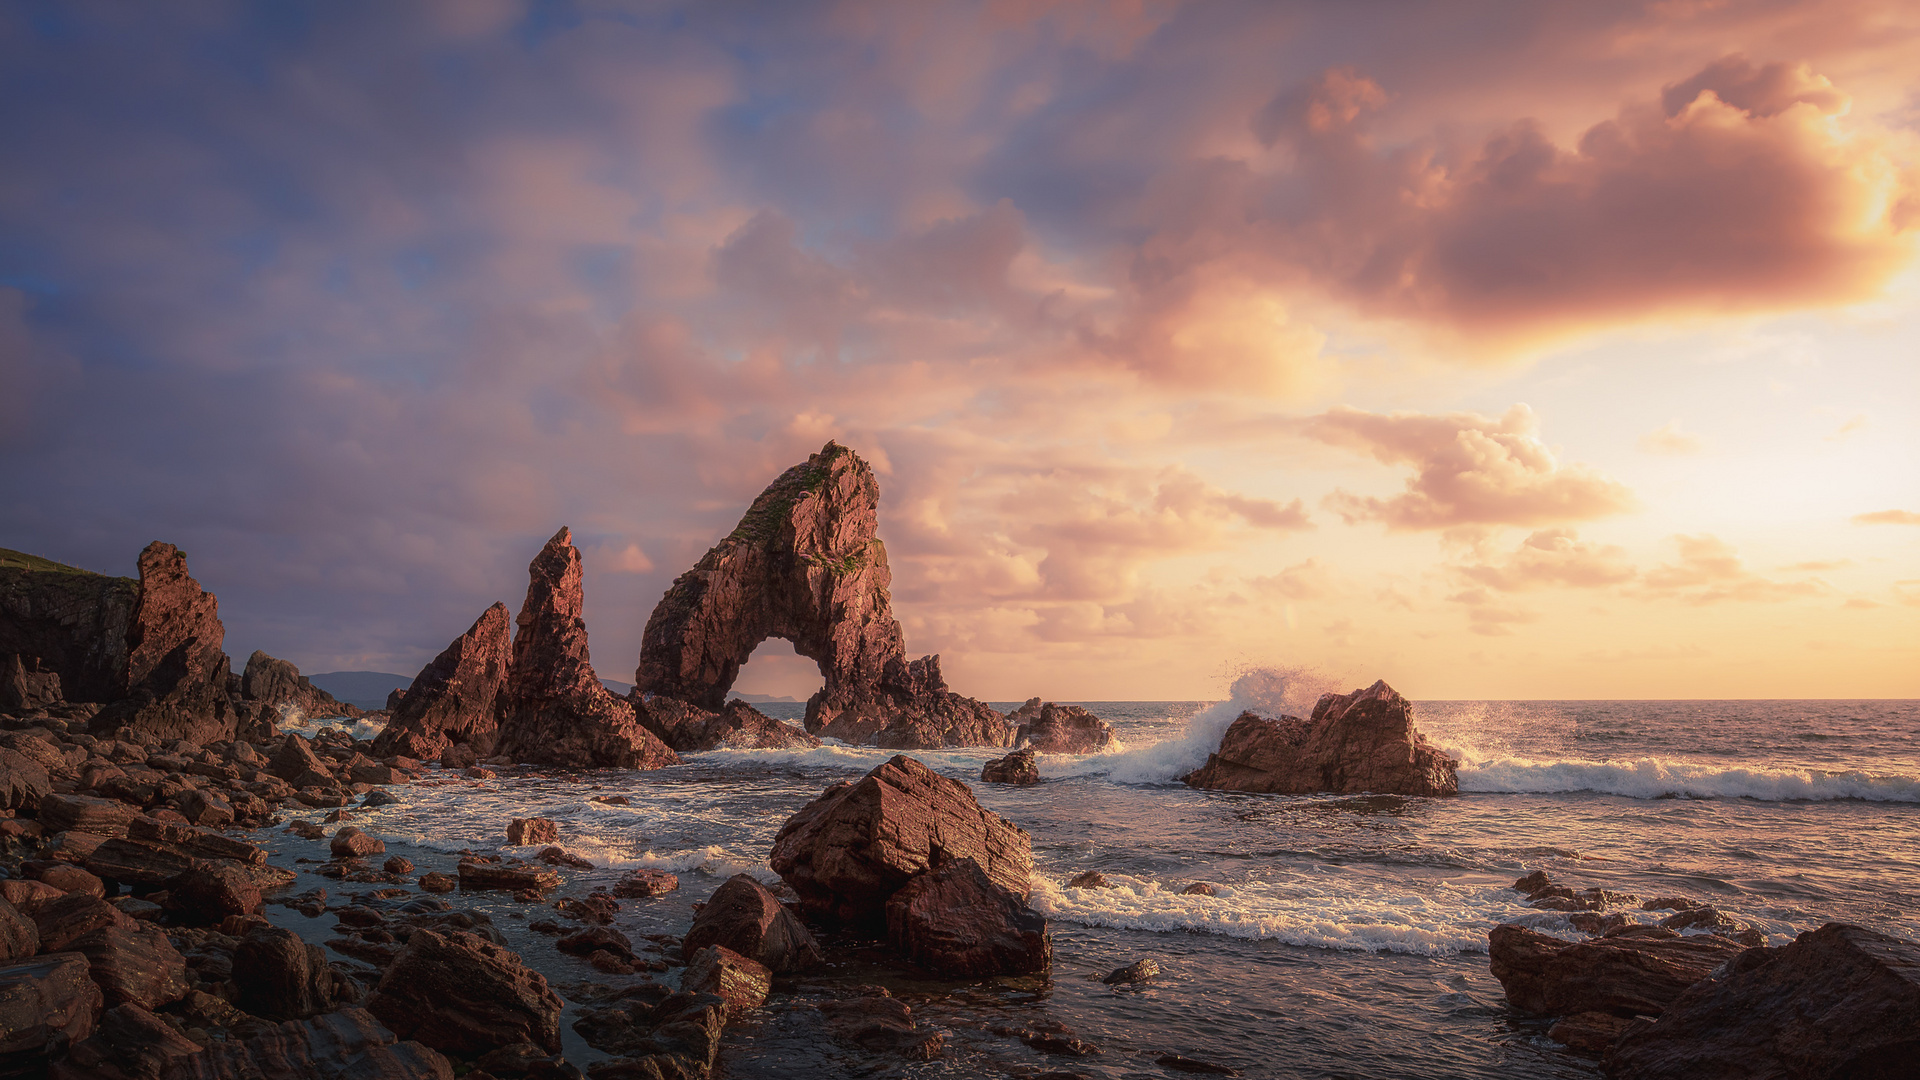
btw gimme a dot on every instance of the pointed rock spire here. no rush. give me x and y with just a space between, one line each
457 698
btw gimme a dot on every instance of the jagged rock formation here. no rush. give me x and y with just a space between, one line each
175 685
557 711
689 728
1359 742
805 565
1059 729
457 698
66 622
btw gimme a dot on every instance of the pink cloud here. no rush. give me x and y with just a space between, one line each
1554 557
1709 571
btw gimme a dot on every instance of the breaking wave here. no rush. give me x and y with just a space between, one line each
1653 778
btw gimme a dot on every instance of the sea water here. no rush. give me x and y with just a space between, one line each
1348 936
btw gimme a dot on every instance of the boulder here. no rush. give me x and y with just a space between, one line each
1051 728
19 936
1140 971
84 813
596 939
1840 1001
689 728
294 758
135 964
26 684
397 865
29 896
348 1044
850 849
65 622
69 878
456 699
522 832
350 843
210 893
60 923
1091 879
744 917
557 710
23 782
804 564
176 676
1020 767
677 1038
464 995
128 1042
515 876
640 884
957 923
740 981
280 977
1626 975
47 1004
1359 742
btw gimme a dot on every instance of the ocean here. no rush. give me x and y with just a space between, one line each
1348 938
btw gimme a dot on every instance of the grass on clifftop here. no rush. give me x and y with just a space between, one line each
20 560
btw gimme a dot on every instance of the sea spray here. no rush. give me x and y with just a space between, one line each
1268 691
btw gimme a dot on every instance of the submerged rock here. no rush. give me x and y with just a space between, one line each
1359 742
846 852
1840 1001
558 712
457 698
957 923
1019 767
689 728
1627 975
1051 728
804 564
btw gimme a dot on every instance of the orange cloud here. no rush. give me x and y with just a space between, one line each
1710 572
1470 470
1887 517
1553 557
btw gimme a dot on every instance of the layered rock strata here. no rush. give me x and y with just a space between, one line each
557 711
1364 741
458 697
805 564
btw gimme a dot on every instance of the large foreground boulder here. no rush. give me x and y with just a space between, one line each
846 852
457 698
805 564
688 728
744 917
176 676
47 1004
1359 742
957 923
1626 975
558 712
1052 728
1840 1001
464 995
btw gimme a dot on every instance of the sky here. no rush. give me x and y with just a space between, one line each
1498 350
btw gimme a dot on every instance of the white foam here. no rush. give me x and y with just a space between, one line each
1438 919
1653 778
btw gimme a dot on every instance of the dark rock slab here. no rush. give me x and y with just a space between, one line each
1623 975
1840 1001
740 981
857 844
464 995
958 923
47 1004
281 977
1359 742
23 782
128 1042
135 964
349 1044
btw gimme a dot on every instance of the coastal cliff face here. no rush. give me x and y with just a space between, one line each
457 698
805 565
1359 742
272 683
67 622
557 712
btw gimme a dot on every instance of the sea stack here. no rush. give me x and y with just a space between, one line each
175 681
804 564
1359 742
456 699
557 711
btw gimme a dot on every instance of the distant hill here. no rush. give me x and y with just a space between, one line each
367 689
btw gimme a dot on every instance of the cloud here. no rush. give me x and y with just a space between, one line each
1489 617
1669 440
1469 470
1887 517
1709 571
1554 557
1848 430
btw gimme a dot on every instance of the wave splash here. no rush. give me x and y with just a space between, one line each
1654 778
